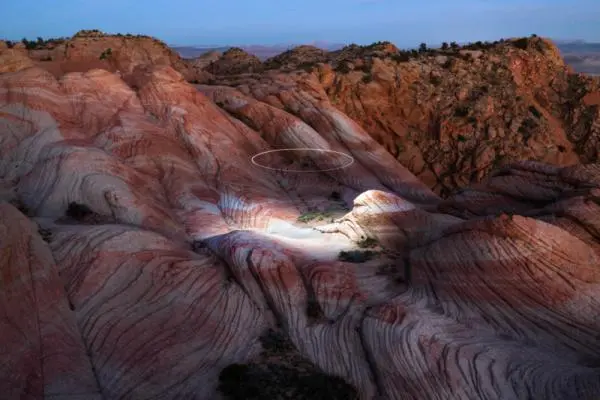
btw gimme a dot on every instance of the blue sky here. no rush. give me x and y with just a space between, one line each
238 22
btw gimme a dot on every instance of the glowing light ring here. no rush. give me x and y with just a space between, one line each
348 156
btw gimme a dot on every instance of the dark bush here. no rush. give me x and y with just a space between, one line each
78 211
402 56
367 242
356 256
307 66
534 111
461 111
343 67
46 234
29 44
281 373
435 80
521 43
106 54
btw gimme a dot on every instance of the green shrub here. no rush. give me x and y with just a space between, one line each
106 54
314 215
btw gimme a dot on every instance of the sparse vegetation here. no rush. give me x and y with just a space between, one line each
367 242
367 78
365 67
281 372
401 56
435 80
378 44
356 256
314 216
400 148
526 129
461 111
449 63
534 111
40 43
498 160
88 33
307 66
29 45
106 54
522 43
343 67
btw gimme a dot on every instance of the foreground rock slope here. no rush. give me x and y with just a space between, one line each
149 250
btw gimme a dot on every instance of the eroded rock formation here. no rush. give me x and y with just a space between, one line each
144 255
451 116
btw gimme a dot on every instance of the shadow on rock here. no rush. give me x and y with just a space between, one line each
280 372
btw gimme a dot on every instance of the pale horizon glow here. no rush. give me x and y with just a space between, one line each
269 22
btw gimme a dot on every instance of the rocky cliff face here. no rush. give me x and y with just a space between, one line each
90 49
235 61
453 115
160 239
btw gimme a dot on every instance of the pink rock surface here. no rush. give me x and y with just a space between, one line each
149 253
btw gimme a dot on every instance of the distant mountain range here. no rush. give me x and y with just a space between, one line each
582 56
261 51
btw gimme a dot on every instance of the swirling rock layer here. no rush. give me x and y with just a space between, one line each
144 255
